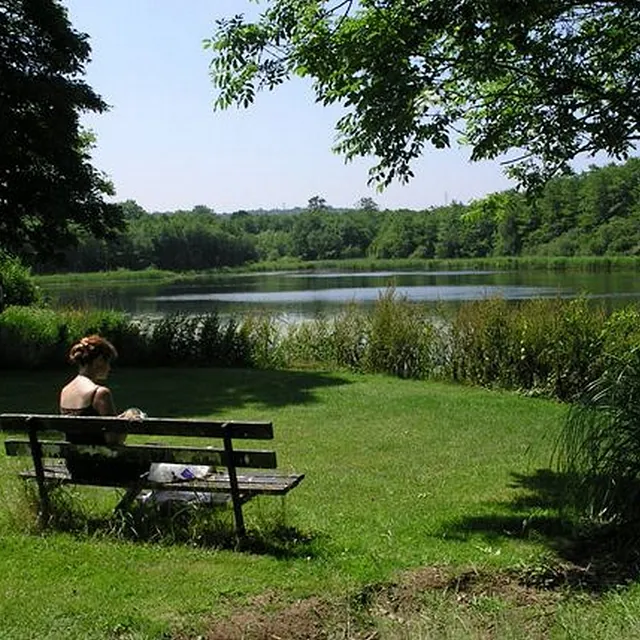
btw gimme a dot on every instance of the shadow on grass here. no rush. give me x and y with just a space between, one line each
593 557
178 523
196 392
174 392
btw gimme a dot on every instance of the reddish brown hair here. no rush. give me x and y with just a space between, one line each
91 347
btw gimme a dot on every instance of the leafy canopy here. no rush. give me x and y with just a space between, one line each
541 81
48 187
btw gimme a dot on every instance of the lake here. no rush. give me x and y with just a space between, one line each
297 295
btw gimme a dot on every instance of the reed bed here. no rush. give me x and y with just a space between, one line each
549 347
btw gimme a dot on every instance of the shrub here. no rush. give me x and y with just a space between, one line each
309 343
16 284
235 348
197 340
549 347
33 337
620 335
395 338
559 346
349 338
576 348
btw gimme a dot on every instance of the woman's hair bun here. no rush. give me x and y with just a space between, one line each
89 348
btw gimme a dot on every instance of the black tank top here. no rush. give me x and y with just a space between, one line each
84 438
84 467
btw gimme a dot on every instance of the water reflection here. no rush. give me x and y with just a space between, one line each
303 294
367 294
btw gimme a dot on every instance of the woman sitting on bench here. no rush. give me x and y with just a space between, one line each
86 396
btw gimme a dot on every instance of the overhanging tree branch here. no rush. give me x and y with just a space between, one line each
539 76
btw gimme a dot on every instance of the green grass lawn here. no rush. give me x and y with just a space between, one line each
399 475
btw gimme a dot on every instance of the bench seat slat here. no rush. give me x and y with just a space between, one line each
253 484
22 422
148 453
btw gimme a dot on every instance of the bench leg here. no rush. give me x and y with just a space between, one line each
233 483
131 494
36 454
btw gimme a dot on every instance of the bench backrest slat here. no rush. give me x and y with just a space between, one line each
18 422
249 458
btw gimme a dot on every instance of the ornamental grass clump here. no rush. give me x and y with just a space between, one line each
599 445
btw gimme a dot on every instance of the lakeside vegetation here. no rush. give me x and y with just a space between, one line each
403 478
551 347
593 214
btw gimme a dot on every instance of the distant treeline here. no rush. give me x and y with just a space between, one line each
595 213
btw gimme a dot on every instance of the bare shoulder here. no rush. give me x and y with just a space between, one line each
76 394
77 385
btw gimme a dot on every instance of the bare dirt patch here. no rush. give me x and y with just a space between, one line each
305 619
267 618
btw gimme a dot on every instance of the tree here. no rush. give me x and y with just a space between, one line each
317 203
48 188
547 80
367 204
131 210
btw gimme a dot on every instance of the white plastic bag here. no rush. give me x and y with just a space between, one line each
163 472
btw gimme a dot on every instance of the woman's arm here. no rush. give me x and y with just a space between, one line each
104 405
103 402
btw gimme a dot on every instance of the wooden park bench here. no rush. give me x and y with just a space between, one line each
42 440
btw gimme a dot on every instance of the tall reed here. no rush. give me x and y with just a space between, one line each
396 337
547 346
399 338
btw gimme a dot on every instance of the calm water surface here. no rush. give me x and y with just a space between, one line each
303 295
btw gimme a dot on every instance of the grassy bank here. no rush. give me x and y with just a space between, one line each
123 276
587 263
400 475
500 263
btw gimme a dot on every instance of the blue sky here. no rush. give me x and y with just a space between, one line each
163 145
